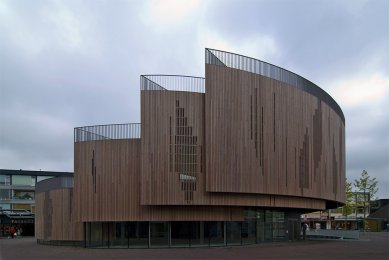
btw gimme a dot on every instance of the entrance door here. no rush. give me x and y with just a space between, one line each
293 229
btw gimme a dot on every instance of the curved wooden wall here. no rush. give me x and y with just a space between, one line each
112 191
105 180
266 137
162 164
248 141
54 220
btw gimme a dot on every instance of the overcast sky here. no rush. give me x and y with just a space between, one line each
65 64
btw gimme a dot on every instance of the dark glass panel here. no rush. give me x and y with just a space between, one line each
159 234
138 233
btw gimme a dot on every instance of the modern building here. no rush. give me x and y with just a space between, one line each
17 198
378 220
233 158
373 216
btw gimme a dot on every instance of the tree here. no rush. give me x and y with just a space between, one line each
347 208
368 188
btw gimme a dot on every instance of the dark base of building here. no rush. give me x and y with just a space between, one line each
61 242
262 226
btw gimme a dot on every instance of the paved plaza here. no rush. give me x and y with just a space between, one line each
370 246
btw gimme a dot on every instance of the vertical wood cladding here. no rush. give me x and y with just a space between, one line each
118 191
248 141
184 153
54 216
172 140
162 165
341 154
118 188
317 137
48 216
304 163
107 180
293 145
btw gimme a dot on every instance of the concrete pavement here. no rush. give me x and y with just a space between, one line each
370 246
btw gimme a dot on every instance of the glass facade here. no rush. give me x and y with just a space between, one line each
259 226
5 180
5 194
138 234
17 191
22 206
23 180
5 206
23 195
159 234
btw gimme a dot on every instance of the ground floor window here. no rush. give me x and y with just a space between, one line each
259 226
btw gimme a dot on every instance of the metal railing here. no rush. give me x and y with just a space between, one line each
104 132
172 83
236 61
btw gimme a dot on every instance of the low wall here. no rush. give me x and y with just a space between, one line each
336 234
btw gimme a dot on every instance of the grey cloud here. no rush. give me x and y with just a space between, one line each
315 36
367 145
48 86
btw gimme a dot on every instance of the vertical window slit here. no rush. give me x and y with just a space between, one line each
274 121
261 139
256 121
286 161
251 117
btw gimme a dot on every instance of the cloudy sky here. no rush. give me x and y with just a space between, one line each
73 63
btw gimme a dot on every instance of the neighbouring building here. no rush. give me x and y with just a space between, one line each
374 216
378 220
233 158
17 198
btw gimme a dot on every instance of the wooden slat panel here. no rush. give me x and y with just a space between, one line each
172 125
259 142
111 191
294 163
162 187
54 217
118 190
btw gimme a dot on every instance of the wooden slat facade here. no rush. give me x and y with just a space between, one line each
249 144
54 219
106 180
172 146
112 190
248 141
162 186
266 137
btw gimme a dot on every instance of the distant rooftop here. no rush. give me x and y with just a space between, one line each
35 173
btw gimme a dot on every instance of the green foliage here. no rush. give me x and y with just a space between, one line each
365 189
348 206
366 185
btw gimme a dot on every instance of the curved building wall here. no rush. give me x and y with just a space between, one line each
54 219
239 154
107 187
106 180
174 156
265 136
